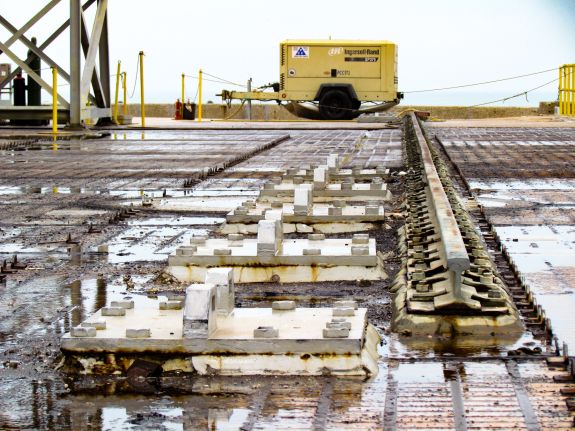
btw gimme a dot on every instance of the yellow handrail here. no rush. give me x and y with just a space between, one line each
200 96
117 90
54 101
124 85
142 106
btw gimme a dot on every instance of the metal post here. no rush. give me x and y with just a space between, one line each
561 107
200 96
249 100
104 59
124 85
182 99
142 105
572 89
117 91
75 121
54 101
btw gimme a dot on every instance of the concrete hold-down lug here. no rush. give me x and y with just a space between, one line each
256 260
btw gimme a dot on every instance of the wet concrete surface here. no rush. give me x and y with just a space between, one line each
422 384
524 180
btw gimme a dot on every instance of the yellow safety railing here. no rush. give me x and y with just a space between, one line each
124 87
54 101
567 90
200 96
142 103
117 91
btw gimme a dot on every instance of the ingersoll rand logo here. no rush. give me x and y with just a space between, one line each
334 51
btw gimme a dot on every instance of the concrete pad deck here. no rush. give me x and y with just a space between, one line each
333 252
300 331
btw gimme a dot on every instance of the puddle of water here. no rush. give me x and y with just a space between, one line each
148 243
535 184
560 309
539 248
545 255
425 372
396 346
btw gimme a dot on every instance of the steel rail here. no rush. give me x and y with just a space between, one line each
456 256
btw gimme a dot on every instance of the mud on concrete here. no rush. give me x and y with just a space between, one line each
51 198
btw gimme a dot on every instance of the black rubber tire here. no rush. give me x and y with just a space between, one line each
335 105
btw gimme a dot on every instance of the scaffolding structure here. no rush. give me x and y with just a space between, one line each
89 86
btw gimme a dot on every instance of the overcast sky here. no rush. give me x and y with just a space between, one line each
441 42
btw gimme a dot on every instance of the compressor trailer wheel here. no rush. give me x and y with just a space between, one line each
336 105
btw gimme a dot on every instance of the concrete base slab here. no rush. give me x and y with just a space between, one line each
332 228
283 274
299 348
334 252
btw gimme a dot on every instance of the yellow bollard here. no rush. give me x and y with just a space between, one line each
124 85
183 95
54 101
142 106
200 96
117 90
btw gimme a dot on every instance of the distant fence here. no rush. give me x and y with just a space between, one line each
273 112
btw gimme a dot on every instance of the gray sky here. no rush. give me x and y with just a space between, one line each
441 42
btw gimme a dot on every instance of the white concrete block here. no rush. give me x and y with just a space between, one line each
222 252
343 311
199 311
97 324
320 177
336 332
360 250
171 305
360 238
241 211
198 240
80 331
333 161
113 311
283 305
303 200
338 324
223 280
270 237
346 304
